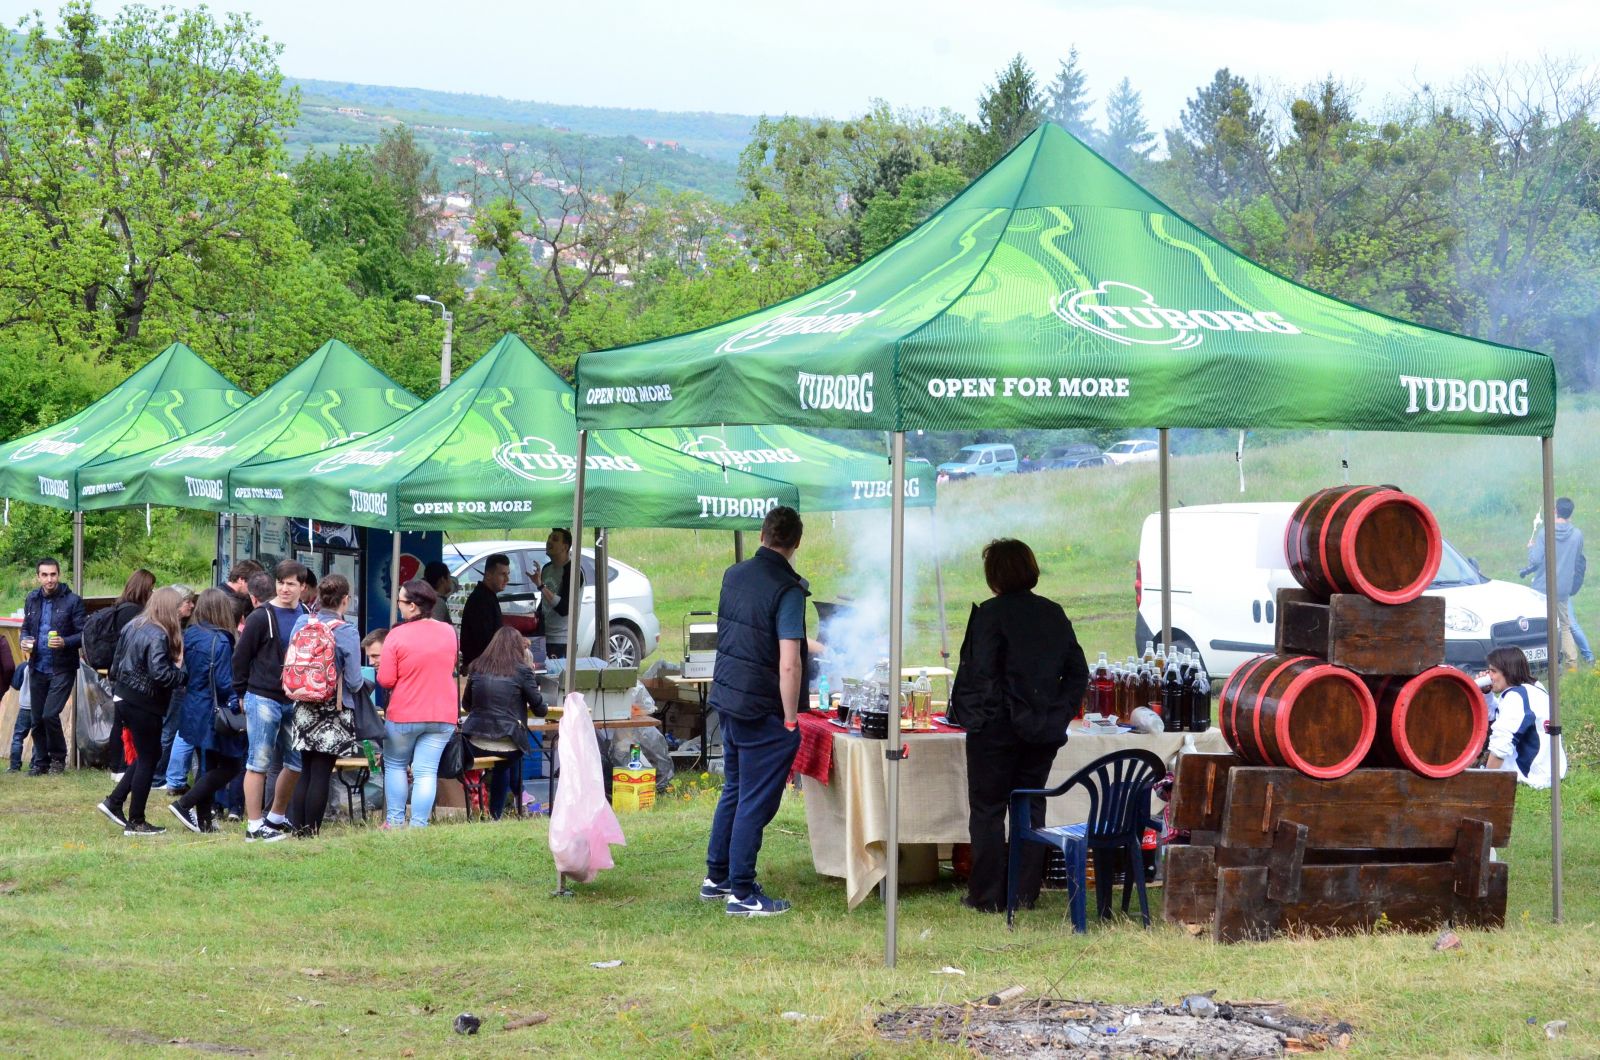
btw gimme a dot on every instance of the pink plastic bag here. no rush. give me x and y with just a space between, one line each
582 824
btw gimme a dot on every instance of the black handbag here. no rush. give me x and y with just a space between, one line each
364 717
225 720
453 762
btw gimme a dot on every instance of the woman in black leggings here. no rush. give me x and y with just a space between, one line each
324 731
147 667
208 654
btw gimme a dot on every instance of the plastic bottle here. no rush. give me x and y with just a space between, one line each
1101 689
635 757
1172 699
824 698
1149 653
922 698
1200 704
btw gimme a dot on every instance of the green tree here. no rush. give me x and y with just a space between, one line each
1222 139
1128 140
138 167
1069 101
410 172
1008 111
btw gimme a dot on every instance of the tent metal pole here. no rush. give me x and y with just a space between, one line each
738 546
893 752
394 579
1166 546
602 602
938 588
77 552
575 570
1553 664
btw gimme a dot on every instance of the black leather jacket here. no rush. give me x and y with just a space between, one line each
143 671
497 707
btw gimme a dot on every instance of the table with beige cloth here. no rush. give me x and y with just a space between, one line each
848 817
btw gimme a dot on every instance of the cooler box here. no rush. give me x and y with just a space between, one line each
633 789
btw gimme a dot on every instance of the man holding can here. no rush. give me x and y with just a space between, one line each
52 630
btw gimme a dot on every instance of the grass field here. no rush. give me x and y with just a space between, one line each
369 943
363 942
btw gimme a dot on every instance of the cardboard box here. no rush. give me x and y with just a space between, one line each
632 789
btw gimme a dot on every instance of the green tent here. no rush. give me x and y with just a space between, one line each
829 476
332 396
496 448
1055 292
175 394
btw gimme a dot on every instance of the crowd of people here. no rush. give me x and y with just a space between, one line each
258 687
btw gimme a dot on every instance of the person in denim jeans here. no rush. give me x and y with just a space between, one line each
418 668
19 734
258 679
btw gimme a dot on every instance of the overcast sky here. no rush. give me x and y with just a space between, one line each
825 57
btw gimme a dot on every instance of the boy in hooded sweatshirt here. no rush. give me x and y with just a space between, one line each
1569 550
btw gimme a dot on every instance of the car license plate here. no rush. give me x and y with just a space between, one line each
1536 654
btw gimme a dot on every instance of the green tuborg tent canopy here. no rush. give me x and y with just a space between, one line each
830 477
173 395
496 449
332 396
1055 292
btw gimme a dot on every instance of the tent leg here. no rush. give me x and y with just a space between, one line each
897 564
738 546
77 552
575 569
1553 681
1166 546
394 581
602 602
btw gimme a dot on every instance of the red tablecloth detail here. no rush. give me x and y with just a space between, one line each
815 757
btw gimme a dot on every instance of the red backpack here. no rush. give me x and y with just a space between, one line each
311 666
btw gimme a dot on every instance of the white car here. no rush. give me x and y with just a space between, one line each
630 601
1228 565
1133 451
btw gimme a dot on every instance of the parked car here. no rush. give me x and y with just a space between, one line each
993 458
630 599
1065 457
1228 565
1133 451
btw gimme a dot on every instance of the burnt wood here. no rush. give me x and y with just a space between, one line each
1371 808
1198 790
1337 898
1189 888
1354 632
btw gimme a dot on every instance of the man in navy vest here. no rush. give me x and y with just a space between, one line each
756 689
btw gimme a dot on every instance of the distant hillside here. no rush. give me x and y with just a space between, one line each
716 136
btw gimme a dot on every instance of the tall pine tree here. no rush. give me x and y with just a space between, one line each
1008 111
1069 100
1129 140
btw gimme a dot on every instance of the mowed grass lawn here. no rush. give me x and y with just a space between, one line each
363 942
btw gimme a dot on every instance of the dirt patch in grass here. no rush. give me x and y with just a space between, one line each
1046 1027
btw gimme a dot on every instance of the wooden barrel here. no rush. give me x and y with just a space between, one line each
1298 711
1372 540
1433 724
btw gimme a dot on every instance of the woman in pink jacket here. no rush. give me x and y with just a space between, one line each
418 668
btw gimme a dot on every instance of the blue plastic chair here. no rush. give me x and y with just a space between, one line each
1119 786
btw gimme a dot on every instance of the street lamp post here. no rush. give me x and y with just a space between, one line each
449 328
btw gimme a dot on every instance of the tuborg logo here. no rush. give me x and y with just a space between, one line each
377 456
57 446
331 442
537 460
822 322
710 447
1130 315
201 449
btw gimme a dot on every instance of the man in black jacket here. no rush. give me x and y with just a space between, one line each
269 713
52 629
755 690
480 617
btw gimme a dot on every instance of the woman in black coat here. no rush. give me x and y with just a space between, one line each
1021 678
147 669
501 690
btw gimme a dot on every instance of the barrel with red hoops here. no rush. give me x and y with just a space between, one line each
1433 724
1372 540
1298 711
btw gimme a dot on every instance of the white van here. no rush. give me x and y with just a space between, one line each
1228 565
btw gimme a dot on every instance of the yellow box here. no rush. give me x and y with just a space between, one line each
632 789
